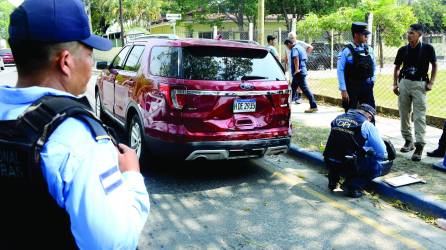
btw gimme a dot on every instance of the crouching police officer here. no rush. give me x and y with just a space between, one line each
63 183
356 69
355 151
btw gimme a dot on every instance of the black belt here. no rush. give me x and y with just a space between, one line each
415 78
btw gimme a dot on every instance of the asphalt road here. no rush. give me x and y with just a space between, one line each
271 203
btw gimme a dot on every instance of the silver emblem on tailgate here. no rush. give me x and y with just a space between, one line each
247 86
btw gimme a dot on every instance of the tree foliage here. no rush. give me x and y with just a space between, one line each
135 12
299 8
393 22
240 12
5 10
309 27
431 13
239 9
342 19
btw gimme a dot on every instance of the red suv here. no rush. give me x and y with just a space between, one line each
6 54
197 99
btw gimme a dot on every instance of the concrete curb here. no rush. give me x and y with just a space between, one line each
439 166
407 195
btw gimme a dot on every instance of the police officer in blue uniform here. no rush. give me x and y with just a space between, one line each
357 69
355 151
97 185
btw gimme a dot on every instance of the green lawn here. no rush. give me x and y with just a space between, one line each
384 95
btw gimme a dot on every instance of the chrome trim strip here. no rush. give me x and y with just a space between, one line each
233 93
110 115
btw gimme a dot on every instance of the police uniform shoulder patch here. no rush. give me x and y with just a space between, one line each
111 179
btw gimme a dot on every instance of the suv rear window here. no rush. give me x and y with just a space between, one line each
229 64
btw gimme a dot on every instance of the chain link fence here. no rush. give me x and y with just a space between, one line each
324 82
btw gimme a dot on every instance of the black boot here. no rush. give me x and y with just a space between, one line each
439 152
333 179
408 146
418 152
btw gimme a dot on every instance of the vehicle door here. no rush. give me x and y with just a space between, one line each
164 72
109 77
125 83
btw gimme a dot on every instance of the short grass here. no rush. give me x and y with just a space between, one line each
384 95
310 138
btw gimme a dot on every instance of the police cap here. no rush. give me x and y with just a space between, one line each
53 21
367 108
360 27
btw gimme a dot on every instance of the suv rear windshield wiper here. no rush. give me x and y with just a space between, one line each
253 77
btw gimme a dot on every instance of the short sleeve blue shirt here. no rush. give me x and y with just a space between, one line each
299 52
107 208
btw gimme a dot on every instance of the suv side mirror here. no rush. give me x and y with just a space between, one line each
101 65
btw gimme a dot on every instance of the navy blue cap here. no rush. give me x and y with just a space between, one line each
54 21
367 108
360 27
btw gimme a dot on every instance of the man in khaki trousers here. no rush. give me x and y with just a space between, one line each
411 83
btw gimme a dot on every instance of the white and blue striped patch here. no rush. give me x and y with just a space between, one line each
111 179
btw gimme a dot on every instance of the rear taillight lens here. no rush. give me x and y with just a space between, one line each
175 95
280 100
178 98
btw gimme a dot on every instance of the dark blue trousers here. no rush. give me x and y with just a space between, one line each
359 93
357 176
301 82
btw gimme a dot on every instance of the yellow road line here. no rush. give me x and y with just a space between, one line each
383 229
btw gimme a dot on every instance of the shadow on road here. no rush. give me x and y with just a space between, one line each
172 176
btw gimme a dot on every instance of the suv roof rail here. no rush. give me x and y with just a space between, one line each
157 36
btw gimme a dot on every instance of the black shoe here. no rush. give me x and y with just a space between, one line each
408 146
354 193
332 186
418 153
436 153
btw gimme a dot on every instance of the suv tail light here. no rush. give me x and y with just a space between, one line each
280 100
175 95
178 98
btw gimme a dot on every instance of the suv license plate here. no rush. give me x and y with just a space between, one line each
244 105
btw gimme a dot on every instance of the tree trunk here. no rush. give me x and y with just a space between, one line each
285 16
240 21
381 54
240 16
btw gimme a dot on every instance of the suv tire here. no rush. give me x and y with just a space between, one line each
136 139
98 107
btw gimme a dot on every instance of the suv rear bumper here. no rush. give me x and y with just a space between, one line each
219 150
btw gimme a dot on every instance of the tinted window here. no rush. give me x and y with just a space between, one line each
229 64
133 62
118 62
164 61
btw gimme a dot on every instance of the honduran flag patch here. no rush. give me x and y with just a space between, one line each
111 179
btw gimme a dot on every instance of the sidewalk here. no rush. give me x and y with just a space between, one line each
431 192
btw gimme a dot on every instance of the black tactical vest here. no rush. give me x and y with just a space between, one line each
30 217
345 136
361 68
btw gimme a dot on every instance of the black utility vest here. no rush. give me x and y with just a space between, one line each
29 216
361 68
345 136
417 65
